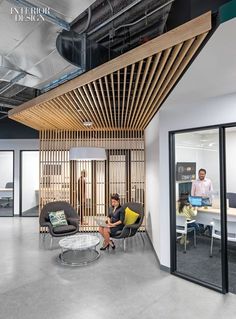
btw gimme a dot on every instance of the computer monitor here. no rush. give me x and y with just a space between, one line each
195 201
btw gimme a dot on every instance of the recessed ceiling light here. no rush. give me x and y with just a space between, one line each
88 123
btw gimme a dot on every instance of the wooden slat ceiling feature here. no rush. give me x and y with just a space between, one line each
124 93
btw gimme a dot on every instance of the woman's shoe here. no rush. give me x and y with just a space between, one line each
112 244
105 247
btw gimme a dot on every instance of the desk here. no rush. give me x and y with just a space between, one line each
205 216
6 192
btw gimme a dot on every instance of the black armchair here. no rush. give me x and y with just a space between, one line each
71 217
131 230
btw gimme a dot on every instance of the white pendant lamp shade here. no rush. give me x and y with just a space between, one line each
87 154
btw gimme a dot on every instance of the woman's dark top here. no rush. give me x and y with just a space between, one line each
118 214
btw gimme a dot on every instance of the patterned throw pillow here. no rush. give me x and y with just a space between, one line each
58 218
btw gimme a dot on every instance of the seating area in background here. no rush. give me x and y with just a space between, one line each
6 200
70 226
71 215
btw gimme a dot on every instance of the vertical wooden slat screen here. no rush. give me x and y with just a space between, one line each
122 172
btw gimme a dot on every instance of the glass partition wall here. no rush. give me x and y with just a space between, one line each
230 148
197 205
29 190
202 206
6 183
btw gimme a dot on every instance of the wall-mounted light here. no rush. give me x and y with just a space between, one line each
87 154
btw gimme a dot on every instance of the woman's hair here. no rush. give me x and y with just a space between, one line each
183 201
115 197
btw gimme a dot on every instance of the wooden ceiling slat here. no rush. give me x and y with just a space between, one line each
118 91
62 120
91 109
100 103
75 110
129 92
109 100
155 80
105 103
70 111
181 56
50 111
148 83
41 117
77 105
147 66
113 97
64 112
124 93
95 103
83 105
140 65
182 66
166 69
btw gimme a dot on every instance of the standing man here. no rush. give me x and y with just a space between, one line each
202 186
82 195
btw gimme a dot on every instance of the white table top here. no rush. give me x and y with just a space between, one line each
230 211
6 189
79 242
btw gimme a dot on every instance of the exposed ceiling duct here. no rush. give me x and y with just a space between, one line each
28 55
31 46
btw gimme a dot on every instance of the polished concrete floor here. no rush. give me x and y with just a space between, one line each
118 285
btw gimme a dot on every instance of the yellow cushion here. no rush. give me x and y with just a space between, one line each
130 216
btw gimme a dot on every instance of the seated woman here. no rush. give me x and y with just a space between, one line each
188 211
115 222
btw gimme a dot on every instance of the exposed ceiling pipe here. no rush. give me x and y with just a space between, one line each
110 5
12 82
139 20
3 117
88 21
51 17
115 16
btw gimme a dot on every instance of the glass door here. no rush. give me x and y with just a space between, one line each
29 190
6 183
196 207
230 148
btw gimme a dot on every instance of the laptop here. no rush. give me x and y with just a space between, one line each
195 201
101 221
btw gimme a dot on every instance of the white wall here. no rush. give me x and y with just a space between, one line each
152 193
17 146
174 116
30 180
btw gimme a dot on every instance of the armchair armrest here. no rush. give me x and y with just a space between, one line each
191 221
132 226
73 221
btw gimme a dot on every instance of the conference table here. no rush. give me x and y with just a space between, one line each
206 215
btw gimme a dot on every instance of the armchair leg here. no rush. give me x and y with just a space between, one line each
211 251
51 242
195 239
124 244
185 243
